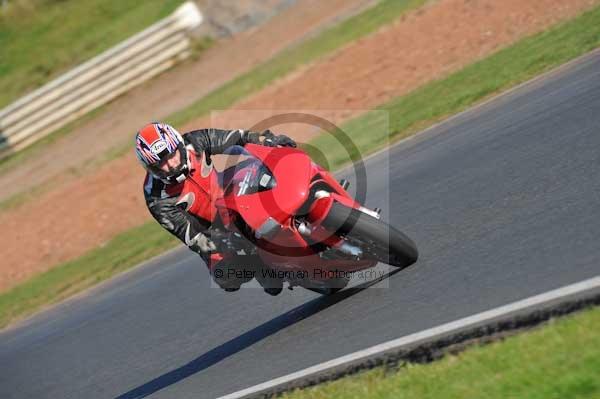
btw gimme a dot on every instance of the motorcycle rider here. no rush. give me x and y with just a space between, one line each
165 155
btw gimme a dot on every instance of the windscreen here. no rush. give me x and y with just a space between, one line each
240 173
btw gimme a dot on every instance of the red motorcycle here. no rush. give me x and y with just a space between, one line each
276 203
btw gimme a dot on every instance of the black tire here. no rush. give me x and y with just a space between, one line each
376 238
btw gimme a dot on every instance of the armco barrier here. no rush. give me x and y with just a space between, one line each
98 80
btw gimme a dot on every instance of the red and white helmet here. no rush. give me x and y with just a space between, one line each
156 141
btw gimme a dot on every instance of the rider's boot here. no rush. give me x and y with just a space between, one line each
273 291
230 273
271 284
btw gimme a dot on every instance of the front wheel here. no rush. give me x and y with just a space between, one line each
377 239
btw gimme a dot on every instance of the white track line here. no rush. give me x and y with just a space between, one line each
422 336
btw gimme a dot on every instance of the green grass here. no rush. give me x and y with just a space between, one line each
557 361
39 39
119 254
437 100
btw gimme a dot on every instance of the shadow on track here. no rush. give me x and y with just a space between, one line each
247 339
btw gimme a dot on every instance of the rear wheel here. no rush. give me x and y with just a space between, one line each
377 239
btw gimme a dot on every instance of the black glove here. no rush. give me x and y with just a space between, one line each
271 140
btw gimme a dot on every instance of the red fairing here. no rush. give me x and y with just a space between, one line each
274 211
292 171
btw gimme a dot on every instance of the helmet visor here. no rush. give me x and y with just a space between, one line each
170 166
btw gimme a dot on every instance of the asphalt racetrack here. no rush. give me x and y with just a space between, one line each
503 202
